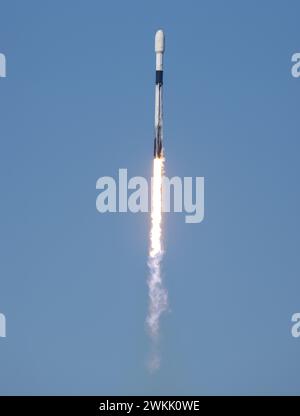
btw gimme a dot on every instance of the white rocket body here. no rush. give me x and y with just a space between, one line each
158 117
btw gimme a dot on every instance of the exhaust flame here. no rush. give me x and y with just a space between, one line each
157 293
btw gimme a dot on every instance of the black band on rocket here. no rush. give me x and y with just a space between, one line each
159 77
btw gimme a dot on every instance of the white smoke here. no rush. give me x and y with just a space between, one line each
158 297
157 294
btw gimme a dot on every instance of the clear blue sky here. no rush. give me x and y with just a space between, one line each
78 104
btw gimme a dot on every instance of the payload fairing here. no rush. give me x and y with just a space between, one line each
159 51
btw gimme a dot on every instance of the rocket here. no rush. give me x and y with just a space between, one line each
158 117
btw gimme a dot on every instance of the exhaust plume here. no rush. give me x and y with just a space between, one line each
158 297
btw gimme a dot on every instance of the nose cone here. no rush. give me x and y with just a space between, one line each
159 41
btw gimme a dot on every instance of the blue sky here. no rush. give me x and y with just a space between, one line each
77 104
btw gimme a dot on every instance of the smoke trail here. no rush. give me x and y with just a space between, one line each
158 297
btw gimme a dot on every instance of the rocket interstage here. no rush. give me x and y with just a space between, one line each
158 297
159 51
